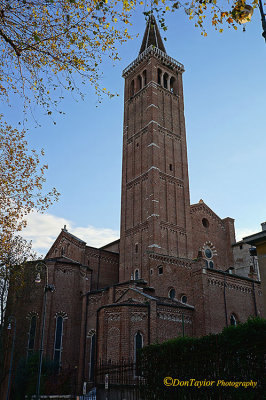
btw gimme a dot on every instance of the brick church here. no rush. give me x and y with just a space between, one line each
171 273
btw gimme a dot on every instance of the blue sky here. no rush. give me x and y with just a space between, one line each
225 109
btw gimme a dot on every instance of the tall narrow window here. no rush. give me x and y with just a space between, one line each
233 320
136 274
139 82
165 80
58 341
92 357
144 77
132 88
138 345
159 76
32 333
172 84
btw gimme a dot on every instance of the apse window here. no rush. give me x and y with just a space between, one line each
160 270
233 320
205 223
171 293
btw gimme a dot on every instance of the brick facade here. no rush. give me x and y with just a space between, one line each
171 271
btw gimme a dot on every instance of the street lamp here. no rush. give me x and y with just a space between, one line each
11 319
243 12
263 21
47 288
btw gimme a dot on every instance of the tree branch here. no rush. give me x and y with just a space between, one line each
12 44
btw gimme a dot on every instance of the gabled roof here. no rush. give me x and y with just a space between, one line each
63 259
152 36
73 236
203 206
165 301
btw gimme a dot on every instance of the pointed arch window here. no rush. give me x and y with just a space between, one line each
136 274
58 341
32 333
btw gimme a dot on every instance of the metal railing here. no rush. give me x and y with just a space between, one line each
158 53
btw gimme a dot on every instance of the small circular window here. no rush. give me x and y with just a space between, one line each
184 299
208 253
205 222
172 293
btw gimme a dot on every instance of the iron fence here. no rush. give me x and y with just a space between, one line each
118 380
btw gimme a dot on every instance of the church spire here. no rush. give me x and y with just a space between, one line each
152 36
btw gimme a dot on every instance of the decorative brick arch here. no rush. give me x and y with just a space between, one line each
62 314
32 314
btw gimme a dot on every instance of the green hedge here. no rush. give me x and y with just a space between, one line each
238 354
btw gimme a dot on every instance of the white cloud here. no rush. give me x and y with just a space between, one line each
243 232
43 229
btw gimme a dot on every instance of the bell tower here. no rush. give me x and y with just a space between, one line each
155 210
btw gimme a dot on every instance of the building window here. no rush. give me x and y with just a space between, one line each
205 223
171 293
165 80
184 299
136 274
208 253
136 247
132 88
151 271
144 74
32 333
233 320
173 85
160 270
211 264
139 82
92 357
58 341
159 76
171 167
138 344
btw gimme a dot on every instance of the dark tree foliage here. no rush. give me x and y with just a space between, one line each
27 374
235 355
